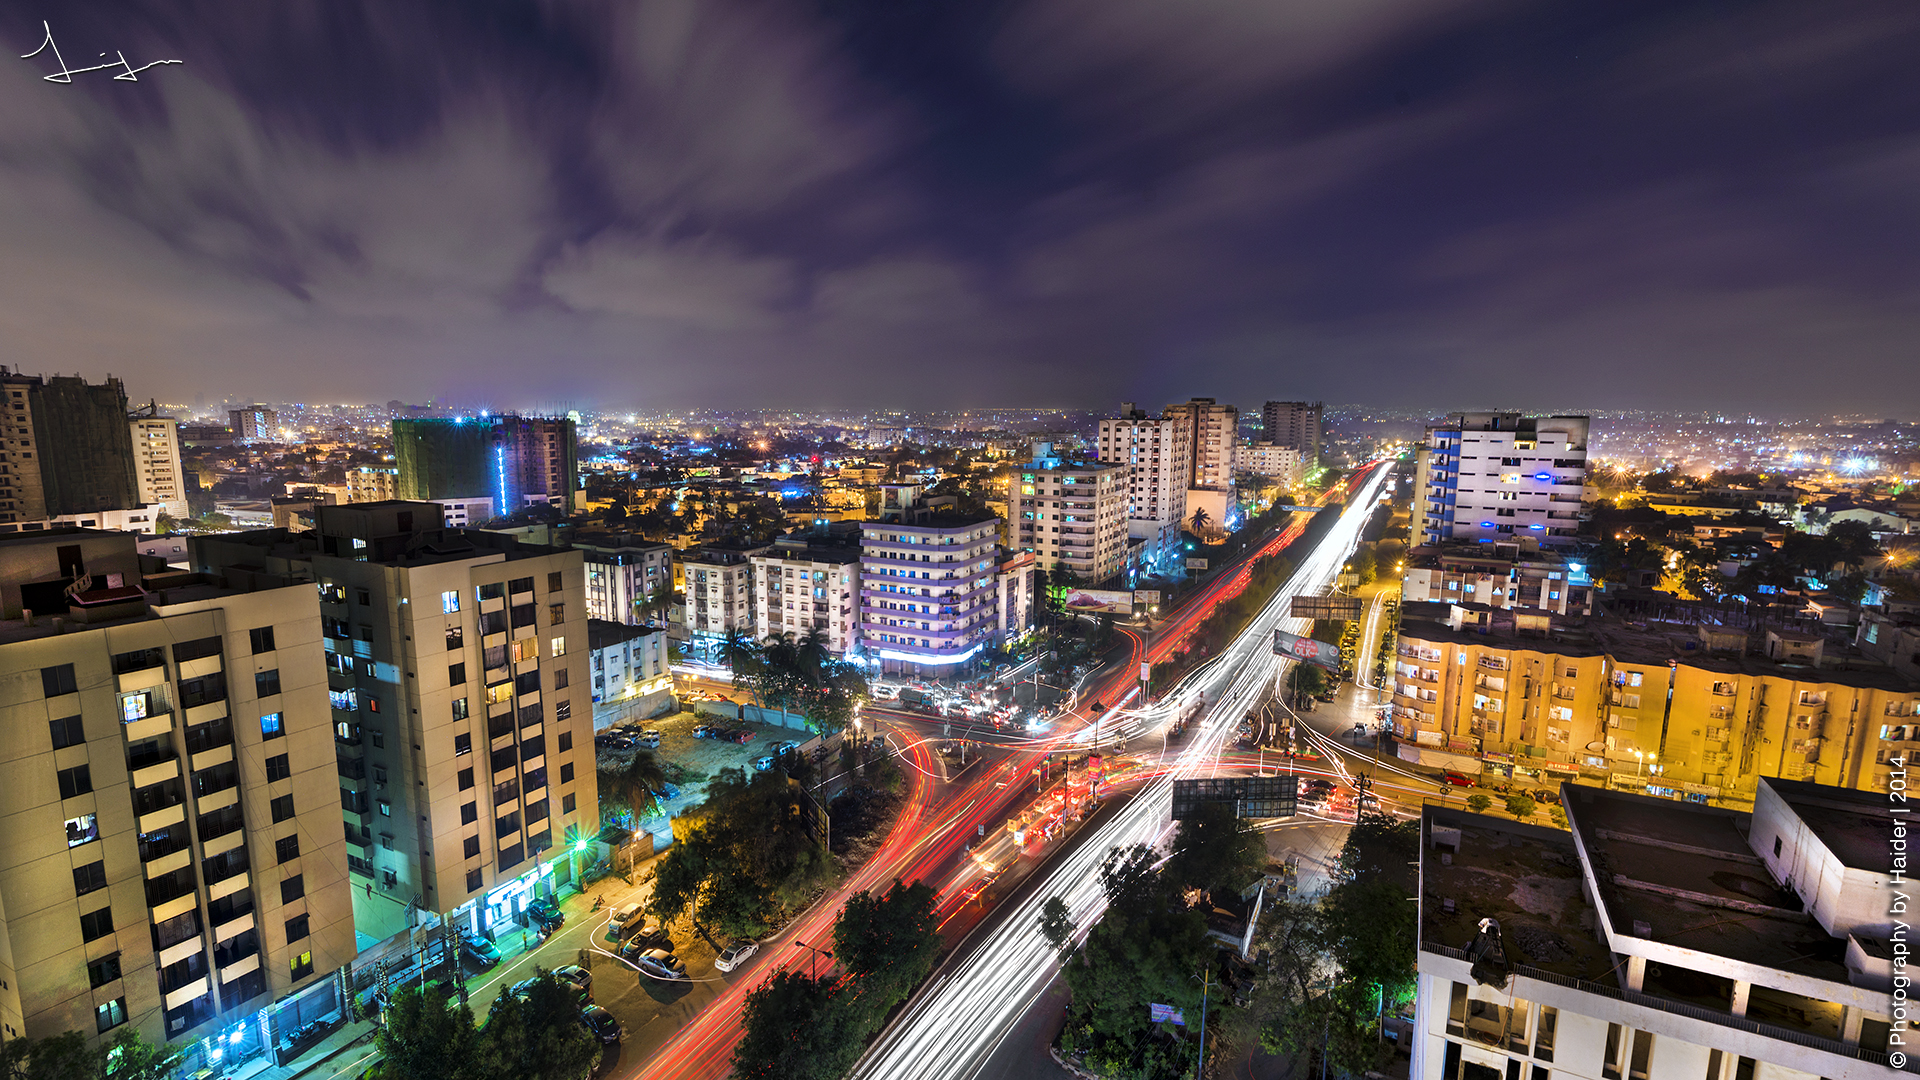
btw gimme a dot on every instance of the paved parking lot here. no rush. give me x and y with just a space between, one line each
704 757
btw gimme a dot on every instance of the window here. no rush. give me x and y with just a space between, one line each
89 877
520 585
373 703
1611 1068
462 744
262 638
75 781
566 741
566 773
556 614
1776 846
563 710
386 808
301 966
282 808
266 683
278 768
196 649
287 848
112 1014
559 678
55 681
567 803
136 706
456 638
96 924
296 928
66 732
103 971
553 582
473 880
292 888
1642 1054
450 603
466 779
456 674
84 829
1543 1038
526 649
470 847
469 813
272 725
459 708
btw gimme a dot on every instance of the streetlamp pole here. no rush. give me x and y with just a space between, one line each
813 963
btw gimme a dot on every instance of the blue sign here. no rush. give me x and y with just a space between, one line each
1302 509
1163 1013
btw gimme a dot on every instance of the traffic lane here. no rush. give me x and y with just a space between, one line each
1025 1053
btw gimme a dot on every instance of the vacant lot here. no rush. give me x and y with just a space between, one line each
701 758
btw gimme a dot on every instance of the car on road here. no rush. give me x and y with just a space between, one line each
763 763
736 954
602 1024
661 964
546 913
478 949
577 977
666 791
1460 780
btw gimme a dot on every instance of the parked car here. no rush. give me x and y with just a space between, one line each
650 739
602 1024
661 964
649 936
1460 780
763 763
577 977
666 791
736 954
703 731
478 949
742 737
546 913
783 747
624 920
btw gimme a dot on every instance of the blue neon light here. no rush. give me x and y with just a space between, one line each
1536 526
911 658
1486 524
500 477
1543 476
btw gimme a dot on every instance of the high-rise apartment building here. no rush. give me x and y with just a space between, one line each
173 857
1283 463
1072 514
929 587
372 483
158 476
806 581
629 579
254 424
1664 942
65 447
1157 452
719 594
519 460
1215 430
1486 476
1295 425
458 680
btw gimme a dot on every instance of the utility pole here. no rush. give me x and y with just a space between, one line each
1200 1064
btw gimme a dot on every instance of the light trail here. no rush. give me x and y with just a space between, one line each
951 1030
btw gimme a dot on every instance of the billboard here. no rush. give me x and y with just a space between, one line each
1099 601
1196 564
1148 597
1326 607
1302 509
1307 650
1251 796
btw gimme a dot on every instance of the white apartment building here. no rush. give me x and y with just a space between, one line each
1661 941
173 856
719 595
140 519
156 463
466 513
1072 514
1484 476
1283 463
628 578
1215 430
928 590
1497 575
632 671
803 583
458 679
1158 454
1296 425
372 483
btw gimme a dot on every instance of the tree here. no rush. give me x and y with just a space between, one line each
1216 850
423 1039
1056 923
793 1027
65 1056
539 1037
632 786
129 1056
616 514
1201 521
744 857
887 943
1478 803
1521 806
163 523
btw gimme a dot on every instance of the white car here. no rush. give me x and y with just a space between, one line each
736 954
625 919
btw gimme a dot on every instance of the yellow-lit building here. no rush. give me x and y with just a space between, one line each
1680 712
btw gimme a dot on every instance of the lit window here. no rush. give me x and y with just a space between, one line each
84 829
450 601
559 646
136 706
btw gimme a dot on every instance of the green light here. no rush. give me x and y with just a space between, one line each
581 846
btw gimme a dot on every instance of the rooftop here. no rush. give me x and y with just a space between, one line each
1852 824
603 634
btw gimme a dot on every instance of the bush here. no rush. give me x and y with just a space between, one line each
1478 803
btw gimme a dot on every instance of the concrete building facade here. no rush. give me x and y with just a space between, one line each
1157 453
929 591
1072 514
1481 477
1294 425
65 448
805 582
158 478
1215 431
632 671
628 578
254 424
518 460
1283 463
1502 576
719 594
172 857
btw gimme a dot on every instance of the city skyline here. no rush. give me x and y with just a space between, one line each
668 208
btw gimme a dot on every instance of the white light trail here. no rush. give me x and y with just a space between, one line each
953 1028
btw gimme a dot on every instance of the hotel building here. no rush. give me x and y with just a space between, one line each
1072 514
1483 477
929 594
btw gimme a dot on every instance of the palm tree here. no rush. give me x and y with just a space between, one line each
633 785
749 664
1201 521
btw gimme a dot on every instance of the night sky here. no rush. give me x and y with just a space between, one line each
704 203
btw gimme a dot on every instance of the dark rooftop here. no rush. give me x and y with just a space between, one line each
1852 824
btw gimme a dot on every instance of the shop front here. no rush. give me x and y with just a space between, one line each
505 907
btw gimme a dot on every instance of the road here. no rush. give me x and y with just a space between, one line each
956 1026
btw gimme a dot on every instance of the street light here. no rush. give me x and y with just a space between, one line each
1641 763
